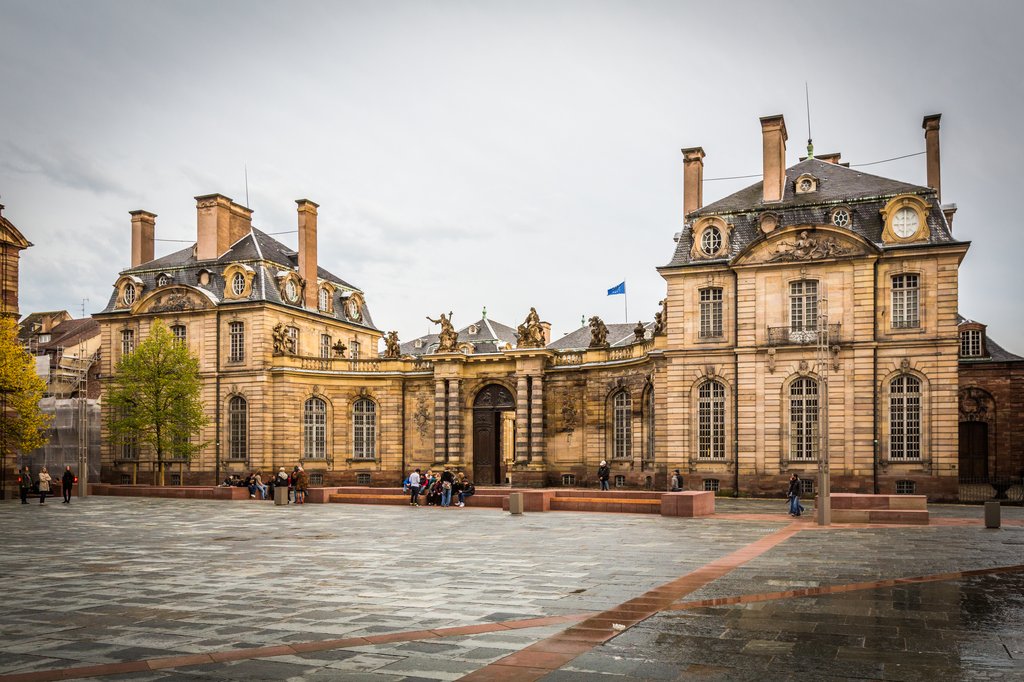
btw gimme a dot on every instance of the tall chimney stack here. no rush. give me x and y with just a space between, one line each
307 250
240 222
213 226
931 145
143 236
773 140
693 179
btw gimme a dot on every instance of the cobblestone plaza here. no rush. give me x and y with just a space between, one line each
147 589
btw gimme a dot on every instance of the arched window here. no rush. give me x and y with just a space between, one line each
238 428
314 429
325 299
905 417
711 420
237 284
803 419
649 424
364 429
622 426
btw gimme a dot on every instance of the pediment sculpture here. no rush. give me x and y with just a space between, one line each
809 247
530 332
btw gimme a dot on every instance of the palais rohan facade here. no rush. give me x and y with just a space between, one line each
725 385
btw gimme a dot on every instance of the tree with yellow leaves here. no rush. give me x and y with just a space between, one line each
22 423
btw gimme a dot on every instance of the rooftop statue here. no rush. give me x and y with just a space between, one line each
639 331
392 349
598 333
448 339
531 333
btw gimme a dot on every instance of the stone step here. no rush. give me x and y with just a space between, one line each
912 517
605 504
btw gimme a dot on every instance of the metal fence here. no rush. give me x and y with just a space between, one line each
1006 490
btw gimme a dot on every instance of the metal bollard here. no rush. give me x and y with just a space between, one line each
992 512
280 496
515 504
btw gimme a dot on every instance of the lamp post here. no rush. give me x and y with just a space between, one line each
824 515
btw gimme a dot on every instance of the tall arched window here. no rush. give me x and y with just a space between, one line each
622 426
649 424
711 420
238 428
803 419
314 429
364 429
905 417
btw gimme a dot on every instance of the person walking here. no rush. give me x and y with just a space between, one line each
301 484
44 485
603 473
66 483
676 484
24 483
795 509
414 488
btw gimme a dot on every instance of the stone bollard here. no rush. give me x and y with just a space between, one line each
515 504
992 512
280 497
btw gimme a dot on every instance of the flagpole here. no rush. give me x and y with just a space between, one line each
625 301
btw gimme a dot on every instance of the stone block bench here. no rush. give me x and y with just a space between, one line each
860 508
688 503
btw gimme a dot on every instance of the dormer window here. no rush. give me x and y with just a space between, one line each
237 284
710 238
473 330
128 297
840 217
806 183
418 343
711 241
324 299
971 343
163 280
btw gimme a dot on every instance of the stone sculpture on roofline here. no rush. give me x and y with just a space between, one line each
530 332
598 333
392 347
448 339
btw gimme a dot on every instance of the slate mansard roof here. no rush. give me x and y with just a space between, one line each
996 353
863 194
263 253
490 337
618 335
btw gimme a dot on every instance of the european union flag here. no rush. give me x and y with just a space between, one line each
619 288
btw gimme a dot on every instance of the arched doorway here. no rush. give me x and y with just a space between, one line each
488 433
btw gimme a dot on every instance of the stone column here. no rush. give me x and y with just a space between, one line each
454 422
537 420
522 421
440 422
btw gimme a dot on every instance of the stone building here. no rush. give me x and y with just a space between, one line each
724 385
12 243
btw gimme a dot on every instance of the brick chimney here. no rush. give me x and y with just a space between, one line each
240 223
307 250
829 158
931 145
213 226
693 179
143 236
773 141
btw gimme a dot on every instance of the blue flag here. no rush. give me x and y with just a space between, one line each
619 288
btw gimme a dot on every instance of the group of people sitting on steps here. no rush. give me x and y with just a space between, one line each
438 488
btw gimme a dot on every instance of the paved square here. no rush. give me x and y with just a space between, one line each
140 589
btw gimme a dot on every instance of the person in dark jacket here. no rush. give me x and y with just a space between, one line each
676 484
24 483
604 472
67 480
795 509
447 481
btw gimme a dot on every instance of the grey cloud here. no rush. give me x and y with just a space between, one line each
61 165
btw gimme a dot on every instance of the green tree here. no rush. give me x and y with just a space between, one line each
154 399
22 424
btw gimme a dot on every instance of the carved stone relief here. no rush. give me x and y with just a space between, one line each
808 247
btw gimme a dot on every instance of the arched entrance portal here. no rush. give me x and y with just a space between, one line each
491 436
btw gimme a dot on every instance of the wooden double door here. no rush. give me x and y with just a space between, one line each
488 433
973 450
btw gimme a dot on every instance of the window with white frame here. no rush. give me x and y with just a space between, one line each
803 305
316 478
325 345
803 419
314 428
353 349
180 333
236 335
620 481
568 479
710 312
970 343
238 428
905 417
905 299
364 429
127 342
712 485
237 284
711 420
324 299
163 280
906 487
622 426
293 334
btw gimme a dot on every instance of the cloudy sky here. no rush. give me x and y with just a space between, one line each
498 154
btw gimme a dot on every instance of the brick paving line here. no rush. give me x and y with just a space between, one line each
548 655
846 587
184 660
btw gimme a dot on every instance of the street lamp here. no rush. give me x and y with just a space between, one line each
822 360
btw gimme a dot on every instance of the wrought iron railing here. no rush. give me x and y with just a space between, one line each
1007 490
800 336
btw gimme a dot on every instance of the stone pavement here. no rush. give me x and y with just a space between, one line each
140 589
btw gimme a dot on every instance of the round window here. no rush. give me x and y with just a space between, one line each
806 185
238 284
841 217
129 295
711 241
163 280
905 222
291 291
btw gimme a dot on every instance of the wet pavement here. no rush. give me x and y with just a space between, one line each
140 589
